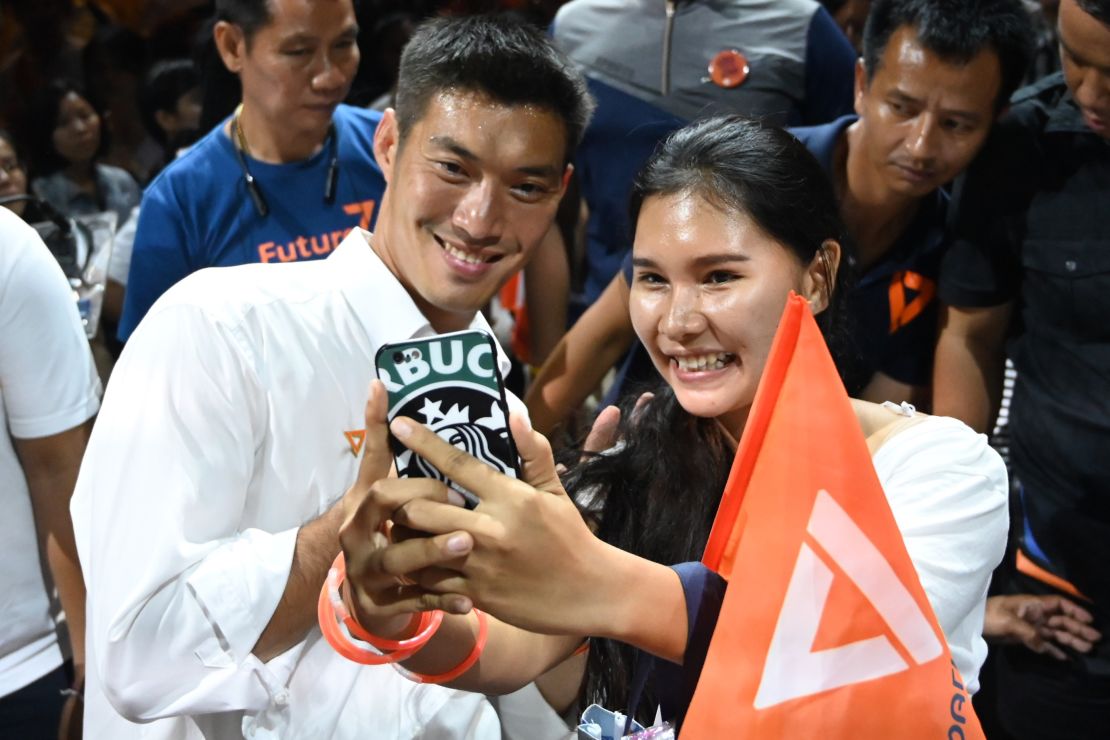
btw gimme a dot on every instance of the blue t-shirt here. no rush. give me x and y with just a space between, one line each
800 71
198 213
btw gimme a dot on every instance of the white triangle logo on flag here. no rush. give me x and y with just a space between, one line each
793 669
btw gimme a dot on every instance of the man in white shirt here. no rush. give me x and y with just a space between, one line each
49 392
209 504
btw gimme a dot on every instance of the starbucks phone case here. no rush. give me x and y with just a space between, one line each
449 383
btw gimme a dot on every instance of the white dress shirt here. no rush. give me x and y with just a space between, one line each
222 433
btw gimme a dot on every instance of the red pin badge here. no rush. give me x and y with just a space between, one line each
729 68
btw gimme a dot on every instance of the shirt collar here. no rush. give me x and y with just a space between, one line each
383 306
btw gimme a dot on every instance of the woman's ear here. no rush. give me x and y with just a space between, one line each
820 277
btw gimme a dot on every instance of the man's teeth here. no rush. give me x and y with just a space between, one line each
464 256
714 361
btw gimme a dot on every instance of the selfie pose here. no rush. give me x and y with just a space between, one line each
209 502
730 218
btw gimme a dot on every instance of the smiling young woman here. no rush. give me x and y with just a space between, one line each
730 218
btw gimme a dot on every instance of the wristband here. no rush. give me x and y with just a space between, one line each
333 616
426 623
342 642
466 664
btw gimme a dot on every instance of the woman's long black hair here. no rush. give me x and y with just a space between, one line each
657 494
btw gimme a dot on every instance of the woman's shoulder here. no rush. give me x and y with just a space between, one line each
940 461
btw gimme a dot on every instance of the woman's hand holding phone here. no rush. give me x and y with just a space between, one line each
532 555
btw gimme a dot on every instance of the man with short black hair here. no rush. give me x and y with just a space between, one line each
286 176
933 77
1032 236
212 495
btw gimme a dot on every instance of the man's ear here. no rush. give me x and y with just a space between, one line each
231 45
820 278
387 142
567 174
860 87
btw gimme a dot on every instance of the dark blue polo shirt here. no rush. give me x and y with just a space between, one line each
893 304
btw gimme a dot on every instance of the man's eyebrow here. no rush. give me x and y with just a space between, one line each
540 170
1079 58
903 96
969 116
446 142
453 146
303 37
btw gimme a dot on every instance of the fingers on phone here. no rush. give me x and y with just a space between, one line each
455 464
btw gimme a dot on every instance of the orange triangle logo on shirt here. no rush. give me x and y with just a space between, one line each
355 440
901 284
825 630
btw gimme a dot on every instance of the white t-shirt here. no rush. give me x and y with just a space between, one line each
48 384
949 494
222 433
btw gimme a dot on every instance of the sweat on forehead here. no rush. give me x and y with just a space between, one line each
956 31
506 61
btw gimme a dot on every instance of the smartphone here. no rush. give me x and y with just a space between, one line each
451 384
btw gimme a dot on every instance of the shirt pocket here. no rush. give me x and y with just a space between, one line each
1067 286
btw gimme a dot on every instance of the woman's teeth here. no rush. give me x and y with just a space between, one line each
464 256
714 361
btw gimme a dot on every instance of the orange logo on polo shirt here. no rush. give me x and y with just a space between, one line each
318 245
364 209
355 439
907 284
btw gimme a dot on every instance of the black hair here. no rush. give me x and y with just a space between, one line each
44 110
220 88
164 85
508 60
956 31
658 493
249 15
1100 9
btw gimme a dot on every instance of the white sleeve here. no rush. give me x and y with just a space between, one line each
948 491
47 373
178 591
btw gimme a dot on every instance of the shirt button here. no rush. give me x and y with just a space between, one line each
281 698
1070 265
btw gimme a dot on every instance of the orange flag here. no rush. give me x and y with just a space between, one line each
825 631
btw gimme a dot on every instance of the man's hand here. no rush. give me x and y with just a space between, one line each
1042 623
377 564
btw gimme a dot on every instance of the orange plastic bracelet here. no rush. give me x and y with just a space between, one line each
426 622
467 663
343 645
